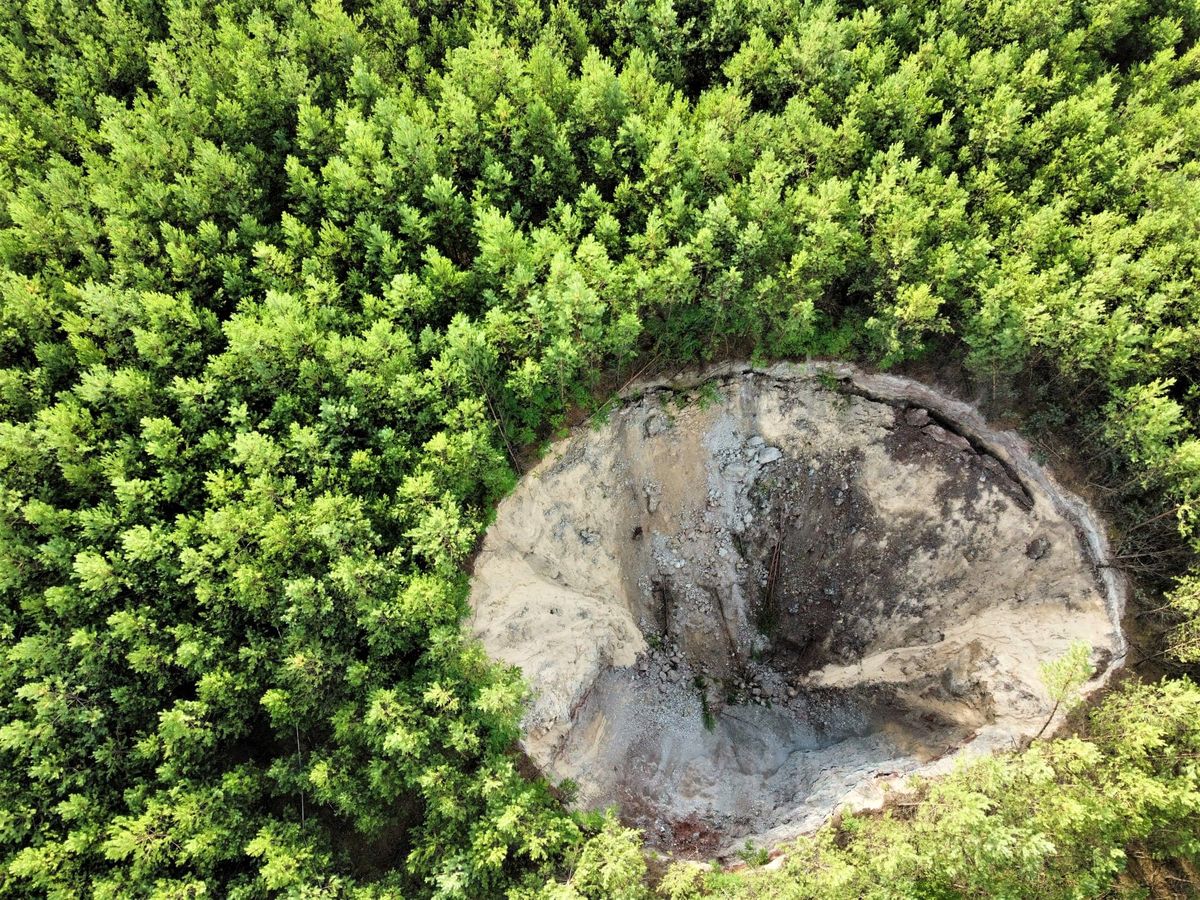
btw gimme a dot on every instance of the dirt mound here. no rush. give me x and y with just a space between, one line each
752 597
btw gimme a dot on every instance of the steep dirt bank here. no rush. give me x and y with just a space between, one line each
753 596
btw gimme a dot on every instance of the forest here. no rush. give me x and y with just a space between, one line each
292 291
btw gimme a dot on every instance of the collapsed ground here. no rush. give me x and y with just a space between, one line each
749 599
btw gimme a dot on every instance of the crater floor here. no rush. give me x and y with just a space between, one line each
752 597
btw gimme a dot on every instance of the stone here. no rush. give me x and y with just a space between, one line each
917 417
956 682
1037 548
948 438
655 424
769 455
993 465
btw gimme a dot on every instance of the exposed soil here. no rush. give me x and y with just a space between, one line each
752 597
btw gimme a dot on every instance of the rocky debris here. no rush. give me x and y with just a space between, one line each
809 597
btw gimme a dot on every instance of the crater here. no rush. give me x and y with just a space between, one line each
753 597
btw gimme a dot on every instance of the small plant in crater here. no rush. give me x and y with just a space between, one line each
601 415
754 856
708 395
682 399
1064 676
706 713
828 380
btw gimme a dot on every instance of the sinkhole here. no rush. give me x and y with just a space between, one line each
754 596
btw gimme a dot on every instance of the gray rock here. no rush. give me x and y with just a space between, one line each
655 424
1037 548
948 438
917 417
956 682
769 455
992 465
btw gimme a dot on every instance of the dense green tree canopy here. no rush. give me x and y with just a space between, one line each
287 287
